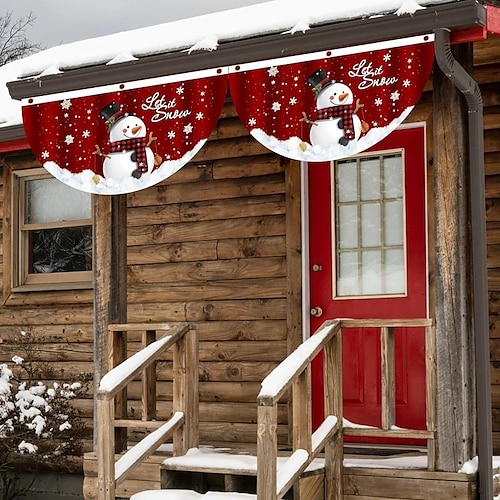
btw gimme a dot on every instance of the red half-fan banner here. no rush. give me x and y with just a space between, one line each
332 104
126 137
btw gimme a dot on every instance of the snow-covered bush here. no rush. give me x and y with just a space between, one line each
37 419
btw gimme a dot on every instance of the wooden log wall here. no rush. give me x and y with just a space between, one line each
209 246
487 74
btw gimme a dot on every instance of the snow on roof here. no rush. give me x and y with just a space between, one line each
197 33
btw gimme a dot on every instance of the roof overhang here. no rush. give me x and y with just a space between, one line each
455 16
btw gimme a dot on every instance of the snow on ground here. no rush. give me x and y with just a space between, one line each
197 33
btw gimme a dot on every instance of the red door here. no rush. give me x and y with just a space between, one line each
368 259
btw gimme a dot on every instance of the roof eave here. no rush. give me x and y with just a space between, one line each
462 15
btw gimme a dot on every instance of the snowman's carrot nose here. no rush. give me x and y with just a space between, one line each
136 129
343 96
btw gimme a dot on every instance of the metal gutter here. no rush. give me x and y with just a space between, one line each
470 89
13 138
462 15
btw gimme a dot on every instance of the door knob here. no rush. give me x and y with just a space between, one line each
317 312
317 268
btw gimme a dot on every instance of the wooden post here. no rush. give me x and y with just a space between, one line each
302 412
455 403
105 449
117 347
430 393
334 449
388 381
293 271
110 279
148 380
185 391
191 427
267 450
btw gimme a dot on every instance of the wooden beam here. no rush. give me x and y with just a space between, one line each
455 403
110 278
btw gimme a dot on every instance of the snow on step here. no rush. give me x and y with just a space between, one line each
197 460
190 495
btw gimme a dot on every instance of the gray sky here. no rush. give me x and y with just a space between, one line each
63 21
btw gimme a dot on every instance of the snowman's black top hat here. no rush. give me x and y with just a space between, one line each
112 113
318 81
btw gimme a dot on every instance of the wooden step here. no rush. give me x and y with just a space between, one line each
206 470
196 460
190 495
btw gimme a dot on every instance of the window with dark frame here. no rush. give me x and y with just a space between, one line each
52 233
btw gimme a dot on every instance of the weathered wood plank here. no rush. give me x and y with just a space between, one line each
454 349
168 193
250 227
195 272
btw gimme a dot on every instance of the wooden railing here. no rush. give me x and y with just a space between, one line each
388 427
294 373
182 427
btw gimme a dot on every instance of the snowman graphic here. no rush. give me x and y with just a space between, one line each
335 120
129 153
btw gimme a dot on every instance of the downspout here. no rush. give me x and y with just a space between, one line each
470 89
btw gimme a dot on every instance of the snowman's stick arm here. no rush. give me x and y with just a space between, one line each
358 106
151 139
99 152
306 119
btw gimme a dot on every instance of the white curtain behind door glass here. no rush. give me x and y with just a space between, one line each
369 226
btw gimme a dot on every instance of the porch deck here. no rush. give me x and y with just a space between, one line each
310 470
365 477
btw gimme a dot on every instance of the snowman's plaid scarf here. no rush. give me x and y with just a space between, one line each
345 112
138 145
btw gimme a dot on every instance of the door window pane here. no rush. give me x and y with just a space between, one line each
369 226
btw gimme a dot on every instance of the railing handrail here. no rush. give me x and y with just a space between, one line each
274 386
294 373
184 431
118 377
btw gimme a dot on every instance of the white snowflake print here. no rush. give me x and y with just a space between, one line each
378 101
276 106
86 134
395 96
199 116
273 71
387 57
66 104
45 154
409 60
66 115
188 129
69 139
406 83
171 134
252 122
292 101
180 90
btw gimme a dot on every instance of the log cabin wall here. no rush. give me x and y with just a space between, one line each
62 321
487 74
210 246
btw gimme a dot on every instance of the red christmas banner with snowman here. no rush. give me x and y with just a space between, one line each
125 137
332 104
